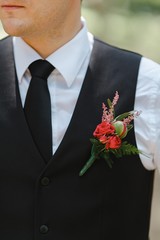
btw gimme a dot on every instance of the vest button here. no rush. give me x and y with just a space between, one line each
45 181
44 229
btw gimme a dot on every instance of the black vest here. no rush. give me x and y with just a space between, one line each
40 201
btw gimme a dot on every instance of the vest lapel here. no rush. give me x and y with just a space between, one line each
7 74
10 103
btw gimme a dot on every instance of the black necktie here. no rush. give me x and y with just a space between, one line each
37 107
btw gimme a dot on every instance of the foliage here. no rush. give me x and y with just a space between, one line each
131 5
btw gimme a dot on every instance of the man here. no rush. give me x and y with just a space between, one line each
44 197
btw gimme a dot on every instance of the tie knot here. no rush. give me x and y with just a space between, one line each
41 68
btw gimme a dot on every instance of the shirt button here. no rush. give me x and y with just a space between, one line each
45 181
44 229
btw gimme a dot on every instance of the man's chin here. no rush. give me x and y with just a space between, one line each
12 29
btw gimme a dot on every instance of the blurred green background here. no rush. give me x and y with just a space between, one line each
133 25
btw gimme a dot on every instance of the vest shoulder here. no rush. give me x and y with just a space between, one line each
6 47
105 48
5 41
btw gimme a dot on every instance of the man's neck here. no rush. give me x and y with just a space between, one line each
46 45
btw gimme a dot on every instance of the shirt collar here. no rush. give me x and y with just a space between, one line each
67 64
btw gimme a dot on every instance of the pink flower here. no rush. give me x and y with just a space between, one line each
108 114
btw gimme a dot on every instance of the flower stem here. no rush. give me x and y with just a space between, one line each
87 165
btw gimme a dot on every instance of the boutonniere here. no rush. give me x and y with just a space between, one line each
109 135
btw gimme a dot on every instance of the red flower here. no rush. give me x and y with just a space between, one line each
113 142
103 139
103 129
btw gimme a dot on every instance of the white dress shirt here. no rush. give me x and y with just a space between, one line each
71 62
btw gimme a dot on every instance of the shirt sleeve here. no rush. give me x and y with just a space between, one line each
147 125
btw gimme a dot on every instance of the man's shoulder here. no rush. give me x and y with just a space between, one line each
105 53
6 48
105 48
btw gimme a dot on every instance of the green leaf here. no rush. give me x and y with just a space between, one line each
108 160
94 140
129 127
122 116
95 149
109 103
128 149
117 152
